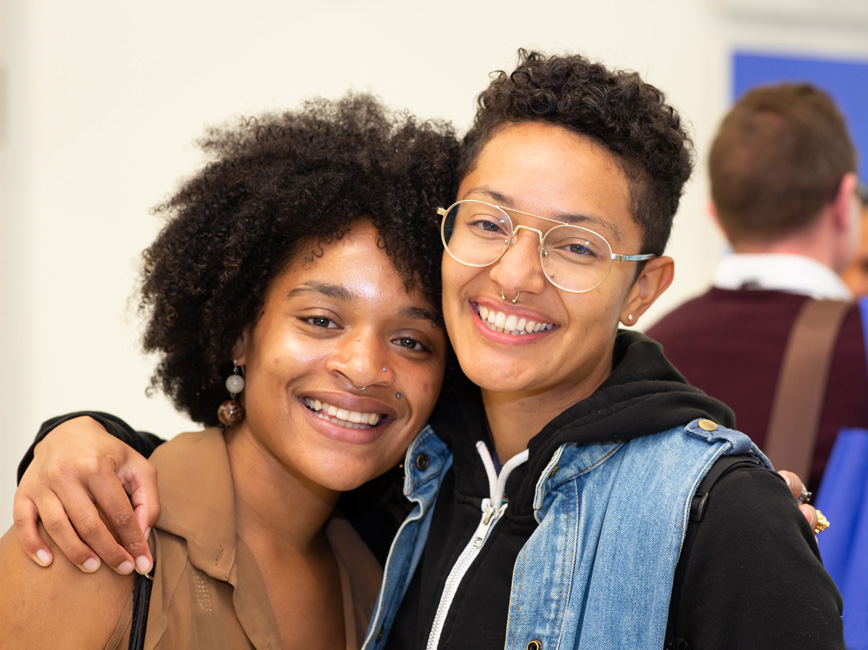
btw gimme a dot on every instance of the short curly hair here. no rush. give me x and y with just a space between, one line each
279 185
615 108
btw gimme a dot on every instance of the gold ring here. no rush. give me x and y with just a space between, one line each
822 523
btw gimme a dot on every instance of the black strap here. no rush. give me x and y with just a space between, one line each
723 466
141 603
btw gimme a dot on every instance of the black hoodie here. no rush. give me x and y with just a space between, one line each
751 580
753 552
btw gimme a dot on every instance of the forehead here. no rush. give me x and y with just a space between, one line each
549 171
356 263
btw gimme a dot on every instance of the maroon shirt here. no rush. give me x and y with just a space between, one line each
731 345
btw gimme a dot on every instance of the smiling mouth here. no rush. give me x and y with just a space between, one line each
512 324
342 417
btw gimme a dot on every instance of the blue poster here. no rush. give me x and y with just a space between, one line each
845 80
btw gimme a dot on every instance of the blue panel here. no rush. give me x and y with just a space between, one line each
845 80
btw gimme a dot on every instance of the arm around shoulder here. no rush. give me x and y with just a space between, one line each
754 578
58 606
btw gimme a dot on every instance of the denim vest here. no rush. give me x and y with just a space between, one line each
425 463
598 571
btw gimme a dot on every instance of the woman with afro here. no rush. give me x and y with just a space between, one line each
293 299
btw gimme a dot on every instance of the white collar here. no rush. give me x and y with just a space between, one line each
779 272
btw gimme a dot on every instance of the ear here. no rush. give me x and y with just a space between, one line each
654 279
844 201
239 350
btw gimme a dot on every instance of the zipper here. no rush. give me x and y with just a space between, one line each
491 514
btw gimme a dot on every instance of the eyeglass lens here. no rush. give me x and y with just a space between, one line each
478 234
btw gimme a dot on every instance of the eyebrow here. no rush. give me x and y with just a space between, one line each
574 219
334 291
341 293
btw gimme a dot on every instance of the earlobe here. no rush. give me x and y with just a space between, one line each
654 279
239 350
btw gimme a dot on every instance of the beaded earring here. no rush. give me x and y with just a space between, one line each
231 412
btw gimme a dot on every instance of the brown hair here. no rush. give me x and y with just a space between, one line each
778 157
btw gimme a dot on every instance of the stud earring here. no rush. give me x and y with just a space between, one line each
398 395
630 317
231 412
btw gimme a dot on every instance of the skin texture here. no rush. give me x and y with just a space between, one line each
527 380
856 275
321 333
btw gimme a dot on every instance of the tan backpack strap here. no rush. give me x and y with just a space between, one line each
798 404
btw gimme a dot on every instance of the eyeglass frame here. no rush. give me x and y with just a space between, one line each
613 257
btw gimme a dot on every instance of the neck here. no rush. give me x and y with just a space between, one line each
819 241
276 510
515 418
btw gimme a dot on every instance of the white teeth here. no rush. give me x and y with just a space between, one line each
512 324
344 417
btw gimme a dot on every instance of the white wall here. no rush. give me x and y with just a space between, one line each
105 99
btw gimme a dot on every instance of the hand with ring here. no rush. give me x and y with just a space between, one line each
816 520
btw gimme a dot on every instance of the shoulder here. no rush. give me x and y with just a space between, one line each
681 315
754 559
44 605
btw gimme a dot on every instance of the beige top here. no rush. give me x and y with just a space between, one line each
208 591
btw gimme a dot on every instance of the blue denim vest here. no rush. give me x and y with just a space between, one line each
597 572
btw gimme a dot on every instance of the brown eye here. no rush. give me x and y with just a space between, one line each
410 344
320 321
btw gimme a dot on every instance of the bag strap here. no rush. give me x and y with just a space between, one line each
801 388
141 604
722 466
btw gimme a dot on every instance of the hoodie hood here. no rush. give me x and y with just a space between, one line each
644 395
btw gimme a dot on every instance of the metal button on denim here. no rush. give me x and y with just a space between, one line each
707 425
422 462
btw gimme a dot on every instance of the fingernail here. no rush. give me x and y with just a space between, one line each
43 557
143 565
125 568
147 533
90 565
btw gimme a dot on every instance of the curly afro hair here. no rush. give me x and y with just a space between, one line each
279 185
618 110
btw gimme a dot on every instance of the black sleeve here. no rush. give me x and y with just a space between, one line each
753 577
142 441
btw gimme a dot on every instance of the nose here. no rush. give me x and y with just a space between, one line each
519 268
362 359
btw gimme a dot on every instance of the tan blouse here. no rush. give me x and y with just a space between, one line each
208 591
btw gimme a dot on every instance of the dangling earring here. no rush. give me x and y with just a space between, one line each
231 412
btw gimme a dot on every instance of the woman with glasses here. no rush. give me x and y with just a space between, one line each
585 496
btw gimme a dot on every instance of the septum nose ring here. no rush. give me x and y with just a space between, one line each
512 300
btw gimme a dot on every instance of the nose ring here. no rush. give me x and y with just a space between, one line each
512 300
360 388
